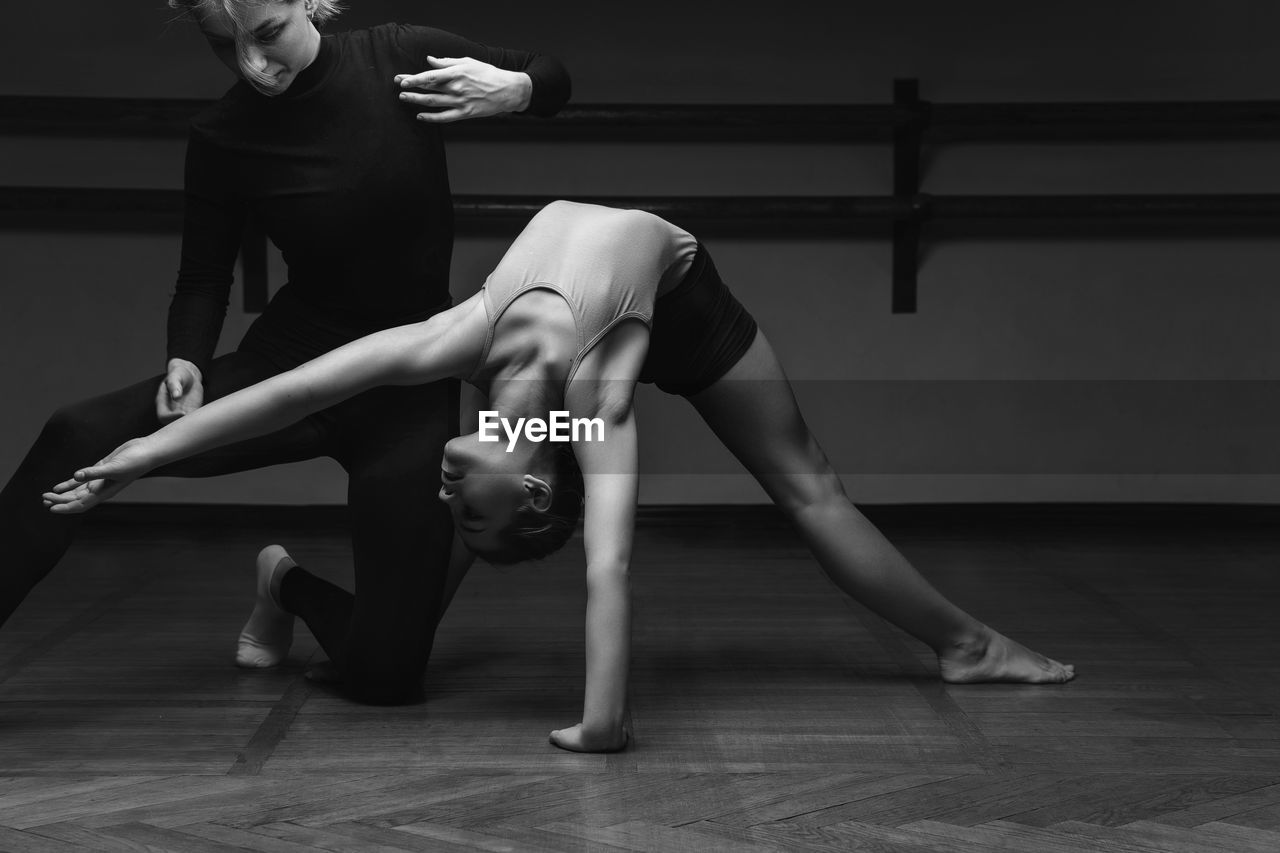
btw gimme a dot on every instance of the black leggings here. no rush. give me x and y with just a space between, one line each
390 442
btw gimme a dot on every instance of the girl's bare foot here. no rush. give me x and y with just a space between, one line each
268 634
994 657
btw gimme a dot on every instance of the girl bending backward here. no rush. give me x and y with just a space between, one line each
586 302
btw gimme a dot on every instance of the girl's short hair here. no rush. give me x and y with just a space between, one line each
533 534
324 11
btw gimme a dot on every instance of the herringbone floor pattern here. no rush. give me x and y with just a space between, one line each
769 713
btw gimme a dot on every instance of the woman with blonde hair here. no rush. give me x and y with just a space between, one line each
333 145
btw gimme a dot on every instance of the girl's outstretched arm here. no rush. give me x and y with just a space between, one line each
444 345
609 473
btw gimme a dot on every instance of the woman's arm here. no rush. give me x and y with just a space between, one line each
447 344
465 79
213 222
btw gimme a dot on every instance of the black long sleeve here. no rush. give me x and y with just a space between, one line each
213 221
551 84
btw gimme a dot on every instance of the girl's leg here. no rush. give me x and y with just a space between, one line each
753 411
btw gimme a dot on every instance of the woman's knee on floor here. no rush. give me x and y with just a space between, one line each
384 681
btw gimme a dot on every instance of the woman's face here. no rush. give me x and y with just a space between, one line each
483 486
278 41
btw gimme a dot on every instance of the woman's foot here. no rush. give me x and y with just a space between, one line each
268 634
994 657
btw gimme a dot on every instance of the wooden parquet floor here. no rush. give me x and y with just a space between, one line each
769 713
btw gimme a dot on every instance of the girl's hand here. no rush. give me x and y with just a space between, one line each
575 739
465 88
101 482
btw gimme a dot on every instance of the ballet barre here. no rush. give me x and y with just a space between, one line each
150 209
906 218
805 123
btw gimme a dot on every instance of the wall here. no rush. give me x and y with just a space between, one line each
1066 368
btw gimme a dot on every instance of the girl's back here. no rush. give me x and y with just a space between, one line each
608 265
586 249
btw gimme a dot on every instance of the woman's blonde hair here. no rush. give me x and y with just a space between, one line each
322 11
318 11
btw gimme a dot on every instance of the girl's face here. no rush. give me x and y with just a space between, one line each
483 485
277 41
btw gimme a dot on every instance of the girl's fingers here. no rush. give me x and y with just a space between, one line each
72 490
65 486
101 471
65 503
69 495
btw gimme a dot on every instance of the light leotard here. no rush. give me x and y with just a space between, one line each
607 264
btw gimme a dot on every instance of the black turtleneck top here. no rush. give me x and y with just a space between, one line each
345 180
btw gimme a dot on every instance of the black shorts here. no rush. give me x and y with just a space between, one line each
699 331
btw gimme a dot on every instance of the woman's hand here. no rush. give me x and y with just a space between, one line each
577 739
181 392
101 482
465 88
